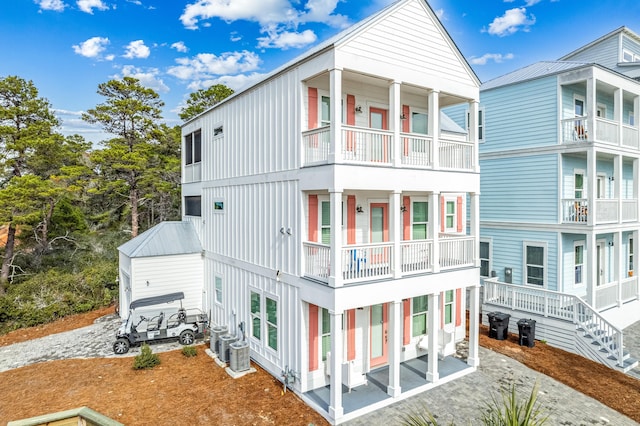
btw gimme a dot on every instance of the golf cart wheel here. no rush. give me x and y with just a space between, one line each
187 337
121 346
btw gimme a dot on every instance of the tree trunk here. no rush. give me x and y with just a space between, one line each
8 257
44 235
133 196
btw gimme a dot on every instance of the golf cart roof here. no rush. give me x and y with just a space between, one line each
156 300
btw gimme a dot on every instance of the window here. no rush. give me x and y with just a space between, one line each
480 125
627 56
192 205
419 308
578 262
218 206
325 222
601 110
632 118
193 147
578 106
325 333
255 316
419 123
218 131
631 256
450 215
534 264
448 306
325 111
419 224
485 259
218 289
272 323
269 320
578 183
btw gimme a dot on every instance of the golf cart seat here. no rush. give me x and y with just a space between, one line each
156 322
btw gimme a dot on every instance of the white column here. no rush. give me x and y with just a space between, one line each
433 324
591 269
591 186
395 126
620 265
434 224
636 118
636 234
473 358
475 226
335 199
617 183
394 347
335 93
591 109
396 232
617 113
433 124
473 133
335 389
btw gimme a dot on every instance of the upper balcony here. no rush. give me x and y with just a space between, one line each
386 124
600 109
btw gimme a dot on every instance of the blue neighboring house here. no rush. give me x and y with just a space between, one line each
559 161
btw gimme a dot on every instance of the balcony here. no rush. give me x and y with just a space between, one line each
365 262
360 145
576 211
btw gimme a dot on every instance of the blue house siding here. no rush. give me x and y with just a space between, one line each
507 247
520 189
571 164
520 116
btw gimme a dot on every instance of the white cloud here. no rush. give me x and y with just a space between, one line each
531 2
179 46
235 36
148 78
285 40
92 48
322 11
137 49
88 5
512 21
440 14
264 12
495 57
55 5
236 82
206 65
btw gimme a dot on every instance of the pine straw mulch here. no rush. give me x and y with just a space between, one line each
196 391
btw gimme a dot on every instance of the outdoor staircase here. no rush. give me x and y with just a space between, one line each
597 344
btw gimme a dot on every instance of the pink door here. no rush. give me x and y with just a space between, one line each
379 149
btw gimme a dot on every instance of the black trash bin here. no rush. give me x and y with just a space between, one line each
498 325
526 332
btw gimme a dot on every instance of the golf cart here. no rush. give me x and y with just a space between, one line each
155 324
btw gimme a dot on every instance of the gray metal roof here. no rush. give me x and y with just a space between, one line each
531 72
448 125
166 238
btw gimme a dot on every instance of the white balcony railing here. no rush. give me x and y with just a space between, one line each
574 130
630 136
192 173
629 289
575 210
606 131
456 155
417 150
630 210
606 296
366 145
606 210
362 262
316 144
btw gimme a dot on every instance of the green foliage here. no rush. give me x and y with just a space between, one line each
510 411
204 99
189 351
420 417
146 359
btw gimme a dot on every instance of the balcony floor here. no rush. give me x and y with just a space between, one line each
366 398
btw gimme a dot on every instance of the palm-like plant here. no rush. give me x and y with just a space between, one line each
509 411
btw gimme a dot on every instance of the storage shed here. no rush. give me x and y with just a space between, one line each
165 259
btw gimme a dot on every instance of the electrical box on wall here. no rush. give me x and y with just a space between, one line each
508 275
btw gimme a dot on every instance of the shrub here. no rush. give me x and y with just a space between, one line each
189 351
512 412
146 359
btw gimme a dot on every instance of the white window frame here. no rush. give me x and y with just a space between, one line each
322 335
323 199
580 98
191 212
577 244
630 256
451 304
413 222
218 291
580 172
627 56
263 317
218 205
412 111
415 314
601 110
525 272
487 241
453 227
479 124
192 150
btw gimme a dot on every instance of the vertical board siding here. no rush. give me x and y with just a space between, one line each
520 116
508 251
528 194
401 40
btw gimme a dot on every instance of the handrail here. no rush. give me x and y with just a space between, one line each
525 298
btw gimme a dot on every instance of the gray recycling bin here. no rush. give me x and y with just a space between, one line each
498 325
526 332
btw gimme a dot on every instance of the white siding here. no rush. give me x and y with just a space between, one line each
168 274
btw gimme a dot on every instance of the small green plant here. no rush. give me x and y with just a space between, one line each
189 351
146 359
511 412
420 417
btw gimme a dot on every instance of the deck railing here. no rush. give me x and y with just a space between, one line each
606 131
376 147
362 262
574 130
575 210
630 136
558 305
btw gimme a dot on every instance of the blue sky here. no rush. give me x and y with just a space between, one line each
68 47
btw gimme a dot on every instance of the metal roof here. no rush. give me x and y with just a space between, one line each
157 300
531 72
166 238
